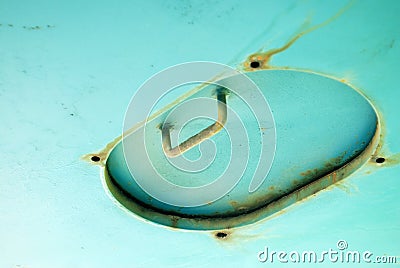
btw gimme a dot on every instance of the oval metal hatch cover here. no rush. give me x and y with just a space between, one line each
325 130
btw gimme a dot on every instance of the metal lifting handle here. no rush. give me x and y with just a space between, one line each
199 137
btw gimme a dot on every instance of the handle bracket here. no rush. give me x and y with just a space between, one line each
199 137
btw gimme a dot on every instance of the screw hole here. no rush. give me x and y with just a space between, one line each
380 160
95 158
221 235
254 64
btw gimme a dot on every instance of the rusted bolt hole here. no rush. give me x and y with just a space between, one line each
380 160
254 64
221 235
95 158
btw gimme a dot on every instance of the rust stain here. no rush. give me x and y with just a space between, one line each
311 173
390 159
234 204
334 177
102 154
259 201
222 235
393 160
239 236
335 161
380 160
261 60
174 221
328 167
346 187
238 208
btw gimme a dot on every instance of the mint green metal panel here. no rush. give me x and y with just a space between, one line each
67 73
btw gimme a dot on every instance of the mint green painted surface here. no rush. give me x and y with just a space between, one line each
64 90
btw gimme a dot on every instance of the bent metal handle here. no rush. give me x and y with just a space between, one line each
199 137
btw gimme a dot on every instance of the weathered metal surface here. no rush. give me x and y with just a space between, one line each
304 139
64 90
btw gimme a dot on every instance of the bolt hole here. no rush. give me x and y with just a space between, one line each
221 235
254 64
380 160
95 158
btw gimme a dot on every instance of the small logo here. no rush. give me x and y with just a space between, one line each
342 244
